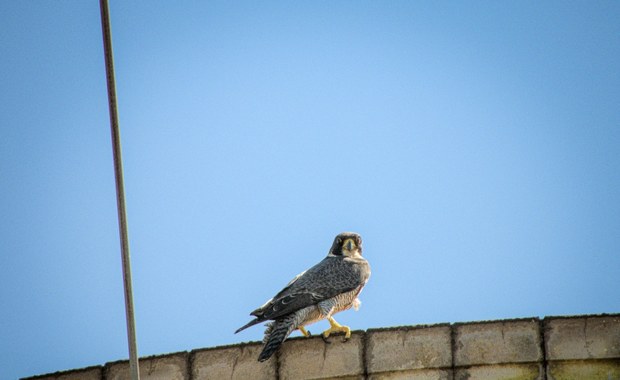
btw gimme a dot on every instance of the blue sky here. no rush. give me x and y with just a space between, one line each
476 148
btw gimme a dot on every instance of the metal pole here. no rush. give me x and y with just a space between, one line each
120 189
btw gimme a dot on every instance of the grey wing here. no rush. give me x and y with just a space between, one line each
325 280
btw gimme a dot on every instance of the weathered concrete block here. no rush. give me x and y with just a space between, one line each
90 373
584 370
499 372
593 337
311 358
510 341
168 367
416 374
406 348
232 362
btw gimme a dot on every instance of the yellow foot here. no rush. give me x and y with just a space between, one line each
336 327
305 332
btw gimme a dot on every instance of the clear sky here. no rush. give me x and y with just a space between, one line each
475 147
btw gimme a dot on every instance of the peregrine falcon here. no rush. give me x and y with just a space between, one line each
327 288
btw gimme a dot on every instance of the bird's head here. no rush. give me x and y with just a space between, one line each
346 244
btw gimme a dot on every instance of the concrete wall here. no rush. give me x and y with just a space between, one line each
555 348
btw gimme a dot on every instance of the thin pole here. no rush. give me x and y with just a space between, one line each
120 189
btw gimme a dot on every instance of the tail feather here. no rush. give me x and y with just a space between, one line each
249 324
276 333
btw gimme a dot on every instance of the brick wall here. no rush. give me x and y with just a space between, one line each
554 348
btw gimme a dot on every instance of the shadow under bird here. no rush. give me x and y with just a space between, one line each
329 287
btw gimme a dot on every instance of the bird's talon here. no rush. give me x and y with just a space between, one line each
304 332
325 339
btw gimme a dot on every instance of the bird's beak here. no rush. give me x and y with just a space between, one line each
349 244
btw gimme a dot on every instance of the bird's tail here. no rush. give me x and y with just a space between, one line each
277 331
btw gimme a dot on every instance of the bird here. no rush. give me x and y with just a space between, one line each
331 286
